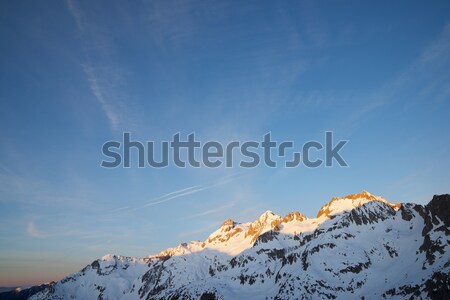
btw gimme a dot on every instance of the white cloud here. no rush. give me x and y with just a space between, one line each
33 231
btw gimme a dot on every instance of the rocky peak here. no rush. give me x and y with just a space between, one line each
267 221
349 202
226 231
267 215
362 195
108 257
294 216
440 207
228 224
369 213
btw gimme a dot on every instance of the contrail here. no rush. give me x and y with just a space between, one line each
172 193
175 196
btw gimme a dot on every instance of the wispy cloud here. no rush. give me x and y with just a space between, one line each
174 23
193 189
35 193
76 13
100 94
103 75
439 49
198 231
34 232
162 199
181 193
424 74
175 195
119 209
109 232
228 178
211 211
176 192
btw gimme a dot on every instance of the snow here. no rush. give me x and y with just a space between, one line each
273 256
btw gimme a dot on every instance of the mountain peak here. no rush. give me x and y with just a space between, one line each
108 256
291 216
363 195
288 257
228 223
349 202
440 206
268 214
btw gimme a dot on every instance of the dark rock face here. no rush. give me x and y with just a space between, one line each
439 206
438 286
266 237
405 210
437 210
152 279
208 296
25 293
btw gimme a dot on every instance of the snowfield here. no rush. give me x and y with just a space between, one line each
358 247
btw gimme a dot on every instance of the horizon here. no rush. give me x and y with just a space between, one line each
77 75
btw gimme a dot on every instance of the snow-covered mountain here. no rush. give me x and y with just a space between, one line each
358 247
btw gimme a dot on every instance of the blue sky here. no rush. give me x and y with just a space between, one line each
75 74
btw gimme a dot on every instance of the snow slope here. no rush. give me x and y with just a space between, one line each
358 247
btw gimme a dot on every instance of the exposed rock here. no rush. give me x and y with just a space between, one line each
439 206
289 257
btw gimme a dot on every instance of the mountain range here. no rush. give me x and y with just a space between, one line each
357 247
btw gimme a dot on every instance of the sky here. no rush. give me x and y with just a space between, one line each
76 74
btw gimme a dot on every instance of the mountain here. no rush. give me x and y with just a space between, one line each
358 247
